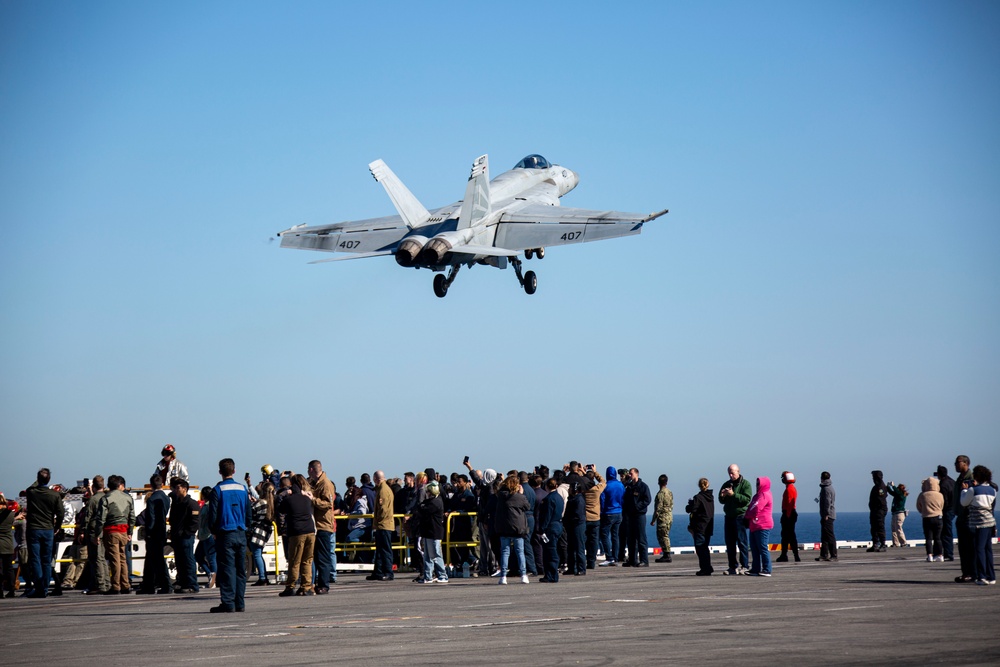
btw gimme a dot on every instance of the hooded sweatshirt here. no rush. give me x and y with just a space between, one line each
876 499
611 497
947 488
930 502
758 514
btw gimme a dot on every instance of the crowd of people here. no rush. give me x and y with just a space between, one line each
544 523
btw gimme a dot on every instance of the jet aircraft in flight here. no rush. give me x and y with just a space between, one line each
517 212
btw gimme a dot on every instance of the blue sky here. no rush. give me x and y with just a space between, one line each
824 294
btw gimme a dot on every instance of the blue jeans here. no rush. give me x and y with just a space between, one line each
704 555
40 554
258 561
230 552
187 570
761 555
433 559
204 554
505 545
984 554
610 524
737 535
322 558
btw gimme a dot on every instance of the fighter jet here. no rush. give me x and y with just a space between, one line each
516 213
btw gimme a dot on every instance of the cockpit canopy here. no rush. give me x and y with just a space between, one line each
533 161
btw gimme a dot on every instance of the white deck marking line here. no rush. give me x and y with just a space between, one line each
580 597
871 606
626 600
223 627
211 657
498 604
719 618
488 624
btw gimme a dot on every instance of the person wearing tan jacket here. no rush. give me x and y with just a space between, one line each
324 495
592 498
384 528
930 504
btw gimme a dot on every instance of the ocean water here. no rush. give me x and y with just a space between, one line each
852 526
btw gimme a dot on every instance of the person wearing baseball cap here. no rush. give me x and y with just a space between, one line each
169 467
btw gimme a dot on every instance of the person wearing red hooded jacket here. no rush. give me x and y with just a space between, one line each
760 521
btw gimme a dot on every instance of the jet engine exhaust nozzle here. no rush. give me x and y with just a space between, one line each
409 250
434 252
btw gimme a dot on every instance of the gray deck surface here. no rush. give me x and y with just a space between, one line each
867 609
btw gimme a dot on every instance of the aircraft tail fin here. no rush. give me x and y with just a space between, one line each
476 204
410 209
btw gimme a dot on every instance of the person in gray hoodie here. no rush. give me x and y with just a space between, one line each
827 515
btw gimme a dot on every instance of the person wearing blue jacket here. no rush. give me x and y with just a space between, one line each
229 517
551 529
611 516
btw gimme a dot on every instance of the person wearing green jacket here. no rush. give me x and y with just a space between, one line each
735 497
898 493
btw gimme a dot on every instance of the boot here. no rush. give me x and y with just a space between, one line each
783 558
797 559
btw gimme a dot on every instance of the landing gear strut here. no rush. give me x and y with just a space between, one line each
529 281
441 283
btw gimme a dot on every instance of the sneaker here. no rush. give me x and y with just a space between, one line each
981 582
991 582
930 558
939 559
496 574
524 579
502 581
421 580
765 574
442 580
734 572
607 563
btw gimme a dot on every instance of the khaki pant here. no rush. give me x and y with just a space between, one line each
78 552
300 558
115 545
898 536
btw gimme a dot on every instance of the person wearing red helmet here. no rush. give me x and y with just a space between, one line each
169 467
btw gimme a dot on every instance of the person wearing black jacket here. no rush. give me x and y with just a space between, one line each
155 578
575 522
876 512
510 523
298 512
184 513
701 510
634 505
430 529
948 523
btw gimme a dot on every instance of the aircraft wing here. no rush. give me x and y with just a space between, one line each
541 226
376 236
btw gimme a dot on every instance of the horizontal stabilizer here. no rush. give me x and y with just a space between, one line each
359 255
410 209
489 250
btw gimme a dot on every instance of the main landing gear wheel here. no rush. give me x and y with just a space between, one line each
530 282
539 253
440 285
529 253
